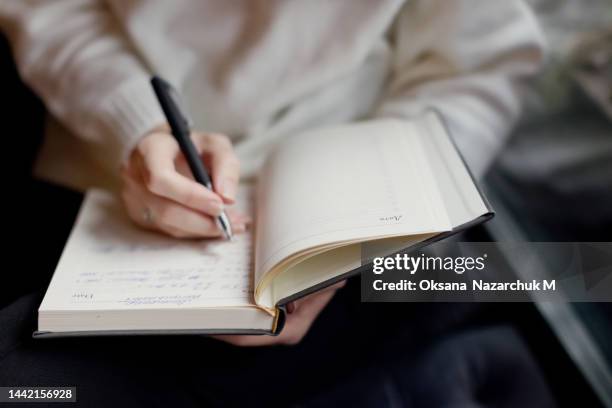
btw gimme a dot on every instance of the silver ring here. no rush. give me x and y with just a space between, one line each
147 215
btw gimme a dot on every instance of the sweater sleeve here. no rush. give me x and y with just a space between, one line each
73 54
467 60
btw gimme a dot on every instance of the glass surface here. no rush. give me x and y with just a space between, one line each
540 194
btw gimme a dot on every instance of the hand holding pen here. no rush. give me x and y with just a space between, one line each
160 192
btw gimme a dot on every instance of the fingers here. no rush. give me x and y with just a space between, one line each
157 180
224 165
170 217
166 216
298 322
293 306
156 162
306 311
178 221
308 308
238 220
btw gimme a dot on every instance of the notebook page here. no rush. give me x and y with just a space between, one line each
345 183
461 196
109 263
322 267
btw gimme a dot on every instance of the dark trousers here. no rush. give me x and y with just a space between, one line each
356 354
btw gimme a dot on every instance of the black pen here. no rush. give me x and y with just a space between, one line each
180 127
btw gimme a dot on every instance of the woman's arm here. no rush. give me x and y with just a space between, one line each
466 59
74 55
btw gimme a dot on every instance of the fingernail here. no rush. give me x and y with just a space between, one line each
228 190
216 207
239 227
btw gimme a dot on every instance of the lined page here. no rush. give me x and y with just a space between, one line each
460 195
346 183
109 263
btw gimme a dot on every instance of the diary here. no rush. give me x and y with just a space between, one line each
322 196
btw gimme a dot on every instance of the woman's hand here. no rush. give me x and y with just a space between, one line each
300 316
160 193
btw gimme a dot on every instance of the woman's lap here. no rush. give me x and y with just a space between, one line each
348 336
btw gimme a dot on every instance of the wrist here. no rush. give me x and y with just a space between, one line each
160 128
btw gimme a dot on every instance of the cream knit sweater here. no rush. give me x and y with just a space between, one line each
262 70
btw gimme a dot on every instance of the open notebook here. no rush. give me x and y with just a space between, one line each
321 195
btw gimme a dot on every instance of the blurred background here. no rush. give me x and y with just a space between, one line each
553 182
560 155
